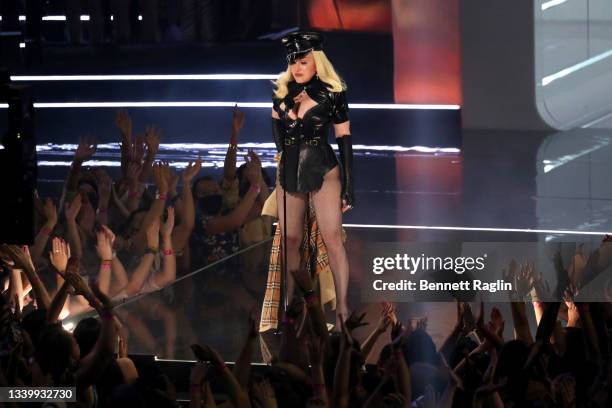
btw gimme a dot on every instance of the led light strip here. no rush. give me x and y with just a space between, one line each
83 17
190 147
206 104
570 70
552 3
482 229
190 77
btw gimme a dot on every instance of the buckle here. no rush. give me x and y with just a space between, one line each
312 142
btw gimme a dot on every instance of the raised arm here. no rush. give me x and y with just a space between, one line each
237 395
341 396
157 208
242 369
93 364
142 271
104 248
105 184
152 138
182 232
22 260
229 165
238 216
383 324
168 274
40 242
71 210
59 255
123 121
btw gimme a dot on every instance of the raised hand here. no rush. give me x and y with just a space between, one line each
20 256
191 171
199 373
104 246
168 226
496 323
71 210
110 234
237 123
151 139
137 150
172 179
385 317
86 149
397 330
207 353
49 211
59 254
159 175
104 182
253 171
133 173
152 231
355 321
524 279
123 121
75 280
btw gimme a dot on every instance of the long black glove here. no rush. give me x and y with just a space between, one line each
278 132
345 146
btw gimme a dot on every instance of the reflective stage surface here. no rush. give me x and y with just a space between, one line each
501 187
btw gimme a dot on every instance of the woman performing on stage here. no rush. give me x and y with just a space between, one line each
309 97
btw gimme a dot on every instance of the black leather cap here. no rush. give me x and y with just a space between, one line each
300 43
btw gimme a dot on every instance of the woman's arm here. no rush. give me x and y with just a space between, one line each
152 138
182 232
168 274
242 369
74 237
22 260
40 242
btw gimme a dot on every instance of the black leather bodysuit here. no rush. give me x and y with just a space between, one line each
307 155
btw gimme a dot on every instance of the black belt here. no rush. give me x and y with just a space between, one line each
292 140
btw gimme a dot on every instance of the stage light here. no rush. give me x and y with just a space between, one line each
221 104
479 229
184 77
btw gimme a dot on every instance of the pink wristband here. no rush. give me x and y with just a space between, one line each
257 189
161 197
168 252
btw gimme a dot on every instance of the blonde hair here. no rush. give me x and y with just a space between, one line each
324 70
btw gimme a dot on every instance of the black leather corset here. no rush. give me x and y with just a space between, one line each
307 155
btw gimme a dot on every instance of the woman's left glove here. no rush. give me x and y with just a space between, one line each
345 146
